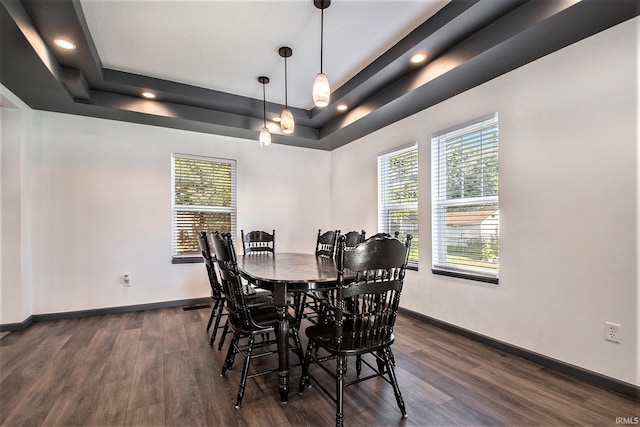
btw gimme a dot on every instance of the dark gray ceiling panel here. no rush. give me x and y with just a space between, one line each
483 38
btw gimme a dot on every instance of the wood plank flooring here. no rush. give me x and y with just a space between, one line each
155 368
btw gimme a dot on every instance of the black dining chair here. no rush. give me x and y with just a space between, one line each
396 234
353 238
247 322
326 243
370 279
307 304
254 297
217 294
258 241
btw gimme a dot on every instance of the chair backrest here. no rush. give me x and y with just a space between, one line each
370 278
396 234
209 262
326 243
353 238
235 299
258 241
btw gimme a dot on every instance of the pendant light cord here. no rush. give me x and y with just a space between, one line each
286 102
321 37
264 106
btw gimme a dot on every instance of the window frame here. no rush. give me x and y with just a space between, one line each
385 208
177 258
440 203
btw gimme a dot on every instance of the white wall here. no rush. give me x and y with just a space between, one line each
568 205
102 208
15 210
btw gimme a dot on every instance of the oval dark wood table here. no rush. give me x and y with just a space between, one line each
283 273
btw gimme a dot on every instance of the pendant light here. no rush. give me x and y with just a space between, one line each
287 124
265 136
321 88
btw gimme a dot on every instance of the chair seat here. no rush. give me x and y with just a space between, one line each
254 299
350 345
259 299
265 318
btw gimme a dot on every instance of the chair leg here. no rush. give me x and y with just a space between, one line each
217 324
392 359
298 302
380 361
224 335
245 372
358 364
298 346
231 353
213 313
341 371
304 376
322 314
394 381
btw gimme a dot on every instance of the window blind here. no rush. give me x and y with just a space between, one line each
465 215
204 199
398 195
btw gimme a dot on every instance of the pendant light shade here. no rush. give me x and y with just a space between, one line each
321 90
287 124
321 87
265 136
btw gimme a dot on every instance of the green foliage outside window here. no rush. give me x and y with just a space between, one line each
405 222
403 178
203 200
472 165
191 223
398 184
202 183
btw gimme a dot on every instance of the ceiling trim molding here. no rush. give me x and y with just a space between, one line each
475 41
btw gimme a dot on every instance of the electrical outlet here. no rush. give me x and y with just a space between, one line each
612 332
126 281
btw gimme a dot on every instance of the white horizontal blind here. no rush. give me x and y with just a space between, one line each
465 217
204 199
398 195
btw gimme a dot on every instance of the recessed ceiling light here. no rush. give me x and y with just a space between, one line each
64 44
342 107
418 58
149 95
276 119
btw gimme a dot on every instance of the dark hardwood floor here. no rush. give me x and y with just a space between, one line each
156 368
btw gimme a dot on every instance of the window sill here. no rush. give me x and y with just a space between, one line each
467 276
186 260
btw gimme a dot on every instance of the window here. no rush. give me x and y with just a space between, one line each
464 197
398 195
204 199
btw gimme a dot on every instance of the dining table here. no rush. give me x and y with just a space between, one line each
285 274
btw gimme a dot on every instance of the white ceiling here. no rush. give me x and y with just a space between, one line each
226 45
